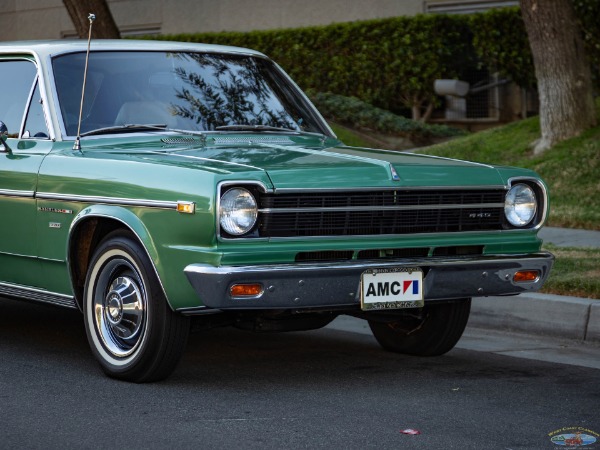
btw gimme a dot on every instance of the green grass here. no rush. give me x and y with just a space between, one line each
576 272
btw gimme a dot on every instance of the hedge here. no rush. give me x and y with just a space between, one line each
392 63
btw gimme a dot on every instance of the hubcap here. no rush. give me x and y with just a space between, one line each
115 308
121 313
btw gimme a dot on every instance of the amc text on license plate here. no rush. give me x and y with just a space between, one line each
391 288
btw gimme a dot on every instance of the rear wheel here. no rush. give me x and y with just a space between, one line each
132 332
433 331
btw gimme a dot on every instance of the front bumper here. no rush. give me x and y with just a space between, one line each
293 286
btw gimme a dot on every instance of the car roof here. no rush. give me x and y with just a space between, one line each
54 47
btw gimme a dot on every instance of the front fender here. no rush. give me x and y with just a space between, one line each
89 227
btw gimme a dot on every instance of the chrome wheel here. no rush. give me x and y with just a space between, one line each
132 331
120 314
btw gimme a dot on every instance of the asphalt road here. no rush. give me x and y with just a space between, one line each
321 389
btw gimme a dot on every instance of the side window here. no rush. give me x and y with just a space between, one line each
35 124
16 78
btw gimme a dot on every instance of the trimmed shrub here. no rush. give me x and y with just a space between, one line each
355 113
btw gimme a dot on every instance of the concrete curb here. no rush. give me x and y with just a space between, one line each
593 331
544 314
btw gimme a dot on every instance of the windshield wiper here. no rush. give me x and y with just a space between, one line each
257 128
126 128
267 128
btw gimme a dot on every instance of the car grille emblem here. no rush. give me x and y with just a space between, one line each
481 215
395 176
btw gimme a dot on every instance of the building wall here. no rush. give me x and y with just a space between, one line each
48 19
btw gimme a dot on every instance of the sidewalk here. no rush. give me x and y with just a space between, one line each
545 314
566 237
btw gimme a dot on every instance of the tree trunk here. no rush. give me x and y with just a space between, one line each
104 26
562 70
421 113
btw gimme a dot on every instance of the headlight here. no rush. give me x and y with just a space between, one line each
520 205
238 211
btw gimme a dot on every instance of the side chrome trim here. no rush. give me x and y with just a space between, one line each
38 295
13 193
116 201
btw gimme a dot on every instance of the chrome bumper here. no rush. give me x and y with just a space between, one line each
337 284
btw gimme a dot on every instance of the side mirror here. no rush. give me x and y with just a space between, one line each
4 148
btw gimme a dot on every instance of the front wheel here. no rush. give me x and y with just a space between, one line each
132 332
432 331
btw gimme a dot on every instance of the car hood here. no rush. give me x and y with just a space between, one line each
300 165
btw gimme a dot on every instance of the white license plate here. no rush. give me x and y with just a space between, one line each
391 288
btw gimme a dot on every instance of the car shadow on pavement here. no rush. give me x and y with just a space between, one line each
53 339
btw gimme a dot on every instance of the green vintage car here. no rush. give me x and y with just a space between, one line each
197 184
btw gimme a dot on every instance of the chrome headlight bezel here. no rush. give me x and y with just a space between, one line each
238 211
520 205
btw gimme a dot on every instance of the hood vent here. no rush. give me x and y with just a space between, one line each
236 140
181 140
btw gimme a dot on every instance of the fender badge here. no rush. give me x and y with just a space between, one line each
55 210
55 225
395 176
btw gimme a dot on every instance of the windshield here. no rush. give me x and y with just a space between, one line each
179 90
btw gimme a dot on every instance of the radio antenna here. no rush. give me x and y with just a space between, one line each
77 144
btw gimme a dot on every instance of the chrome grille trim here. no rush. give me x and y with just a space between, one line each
393 188
379 212
379 208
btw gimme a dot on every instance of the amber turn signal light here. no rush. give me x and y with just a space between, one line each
186 207
246 290
526 276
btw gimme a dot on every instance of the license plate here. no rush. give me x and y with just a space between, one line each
394 288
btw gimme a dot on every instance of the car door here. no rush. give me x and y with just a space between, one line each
21 154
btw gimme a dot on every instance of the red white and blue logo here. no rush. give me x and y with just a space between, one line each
392 286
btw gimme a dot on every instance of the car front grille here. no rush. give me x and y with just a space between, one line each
380 212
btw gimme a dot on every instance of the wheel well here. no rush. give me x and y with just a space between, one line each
84 240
